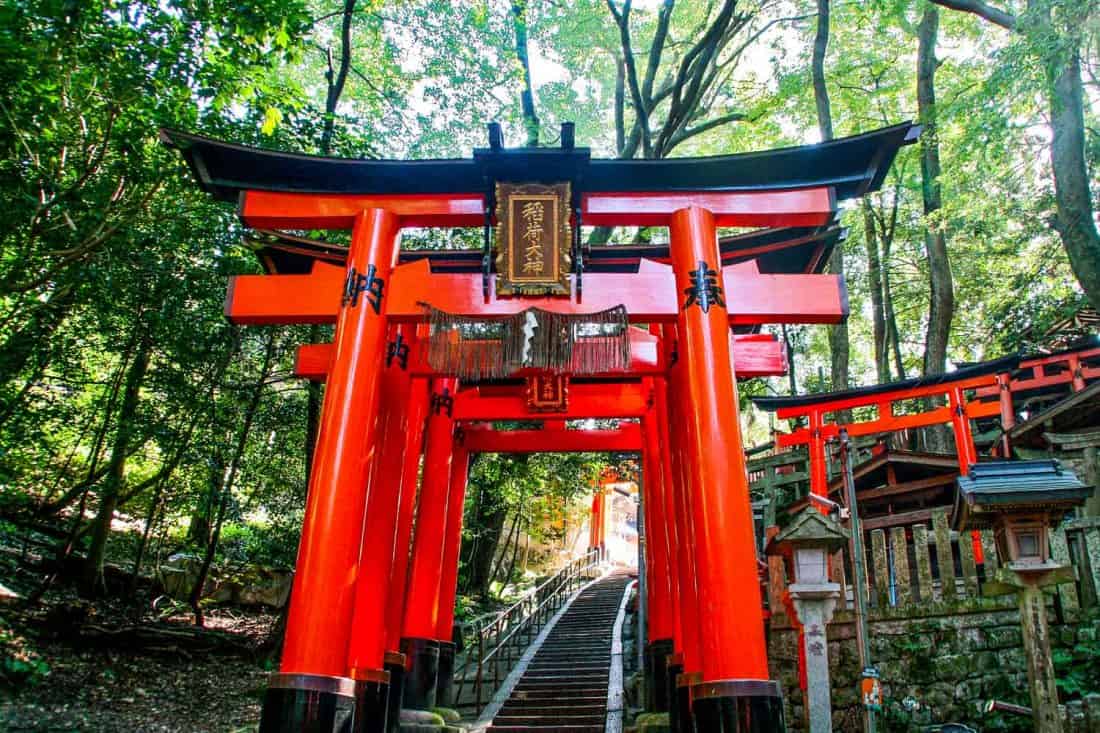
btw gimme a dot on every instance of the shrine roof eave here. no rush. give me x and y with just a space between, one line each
995 366
851 165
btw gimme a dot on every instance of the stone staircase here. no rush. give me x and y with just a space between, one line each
564 688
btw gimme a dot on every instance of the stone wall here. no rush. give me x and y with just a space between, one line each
936 668
941 647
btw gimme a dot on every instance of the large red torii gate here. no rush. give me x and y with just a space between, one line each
353 599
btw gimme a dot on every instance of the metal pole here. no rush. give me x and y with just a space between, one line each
859 585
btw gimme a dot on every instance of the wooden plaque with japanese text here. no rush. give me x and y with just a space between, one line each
533 239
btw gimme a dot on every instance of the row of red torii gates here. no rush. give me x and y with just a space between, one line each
367 617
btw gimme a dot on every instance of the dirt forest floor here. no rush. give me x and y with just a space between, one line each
66 665
105 689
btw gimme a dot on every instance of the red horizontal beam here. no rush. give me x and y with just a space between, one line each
650 296
804 207
883 398
274 210
935 416
590 400
755 355
1040 379
628 438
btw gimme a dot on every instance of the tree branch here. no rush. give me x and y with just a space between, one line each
982 10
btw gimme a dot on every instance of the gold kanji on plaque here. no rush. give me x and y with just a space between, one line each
548 393
533 236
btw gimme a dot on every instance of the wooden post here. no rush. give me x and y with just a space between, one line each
924 564
945 558
969 565
1040 667
902 581
881 565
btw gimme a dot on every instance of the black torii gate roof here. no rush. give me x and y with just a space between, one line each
851 165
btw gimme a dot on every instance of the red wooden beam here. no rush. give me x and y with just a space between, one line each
755 355
758 355
1073 372
275 210
936 416
628 438
650 296
589 400
805 207
880 398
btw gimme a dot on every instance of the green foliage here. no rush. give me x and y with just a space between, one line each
1077 670
20 664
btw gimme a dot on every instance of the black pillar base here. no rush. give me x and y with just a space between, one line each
673 667
421 673
685 714
738 706
395 665
445 676
656 675
372 697
300 703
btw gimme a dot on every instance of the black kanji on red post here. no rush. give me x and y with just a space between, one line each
366 282
398 349
704 290
443 401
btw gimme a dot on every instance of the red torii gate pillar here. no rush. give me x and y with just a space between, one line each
684 665
448 589
378 547
735 684
312 690
419 643
659 575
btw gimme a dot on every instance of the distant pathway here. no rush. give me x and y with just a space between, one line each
565 686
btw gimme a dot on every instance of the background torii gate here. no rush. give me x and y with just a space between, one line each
332 674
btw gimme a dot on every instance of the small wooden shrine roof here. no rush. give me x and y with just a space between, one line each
995 366
1000 485
1077 412
897 487
852 165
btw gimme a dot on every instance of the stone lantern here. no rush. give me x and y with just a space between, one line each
1020 501
806 545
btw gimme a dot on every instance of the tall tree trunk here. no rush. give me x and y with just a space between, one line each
491 513
527 94
335 78
893 340
92 474
874 284
792 378
1075 222
838 334
143 545
92 582
941 304
942 296
34 339
1060 51
229 477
